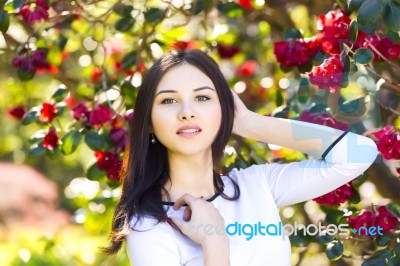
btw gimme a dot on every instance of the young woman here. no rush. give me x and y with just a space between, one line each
175 209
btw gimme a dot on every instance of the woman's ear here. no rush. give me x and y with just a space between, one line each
151 129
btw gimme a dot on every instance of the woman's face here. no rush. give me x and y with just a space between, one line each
186 112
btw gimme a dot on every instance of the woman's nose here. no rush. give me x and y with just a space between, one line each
186 113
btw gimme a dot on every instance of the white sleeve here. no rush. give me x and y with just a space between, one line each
152 247
296 182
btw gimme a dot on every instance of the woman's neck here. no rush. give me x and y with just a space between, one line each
191 175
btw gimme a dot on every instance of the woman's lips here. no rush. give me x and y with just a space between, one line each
189 133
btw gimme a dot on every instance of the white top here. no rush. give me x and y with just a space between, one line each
263 189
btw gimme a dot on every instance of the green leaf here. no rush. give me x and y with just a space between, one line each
60 93
394 36
4 21
94 141
383 253
281 112
393 261
334 250
25 75
37 150
61 42
353 5
363 56
355 198
354 107
300 240
199 6
29 117
394 208
324 239
54 154
396 251
122 10
38 136
346 70
371 28
95 173
374 262
383 240
369 11
231 9
292 33
60 108
17 3
113 183
360 180
304 92
278 98
125 24
70 142
129 60
333 216
318 108
353 31
391 16
153 14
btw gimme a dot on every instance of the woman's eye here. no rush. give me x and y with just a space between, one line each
203 98
167 101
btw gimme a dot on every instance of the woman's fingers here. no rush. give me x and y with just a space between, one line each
187 213
185 199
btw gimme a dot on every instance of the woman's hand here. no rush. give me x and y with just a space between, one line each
202 222
240 112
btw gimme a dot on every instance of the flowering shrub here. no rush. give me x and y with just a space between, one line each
96 52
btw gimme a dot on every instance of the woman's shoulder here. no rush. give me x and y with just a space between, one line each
254 169
142 223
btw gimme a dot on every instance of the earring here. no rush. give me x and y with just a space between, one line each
153 140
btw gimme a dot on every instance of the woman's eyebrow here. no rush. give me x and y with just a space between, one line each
173 91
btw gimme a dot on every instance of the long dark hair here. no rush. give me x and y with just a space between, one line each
145 168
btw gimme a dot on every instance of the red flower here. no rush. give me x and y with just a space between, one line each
129 115
248 68
293 52
227 51
323 119
99 115
70 100
245 3
32 61
184 45
47 112
119 137
334 29
336 197
383 44
110 163
50 140
17 112
24 63
389 142
95 76
34 12
113 172
367 219
386 219
328 75
79 111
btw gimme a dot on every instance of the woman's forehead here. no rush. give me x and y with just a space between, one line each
184 77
